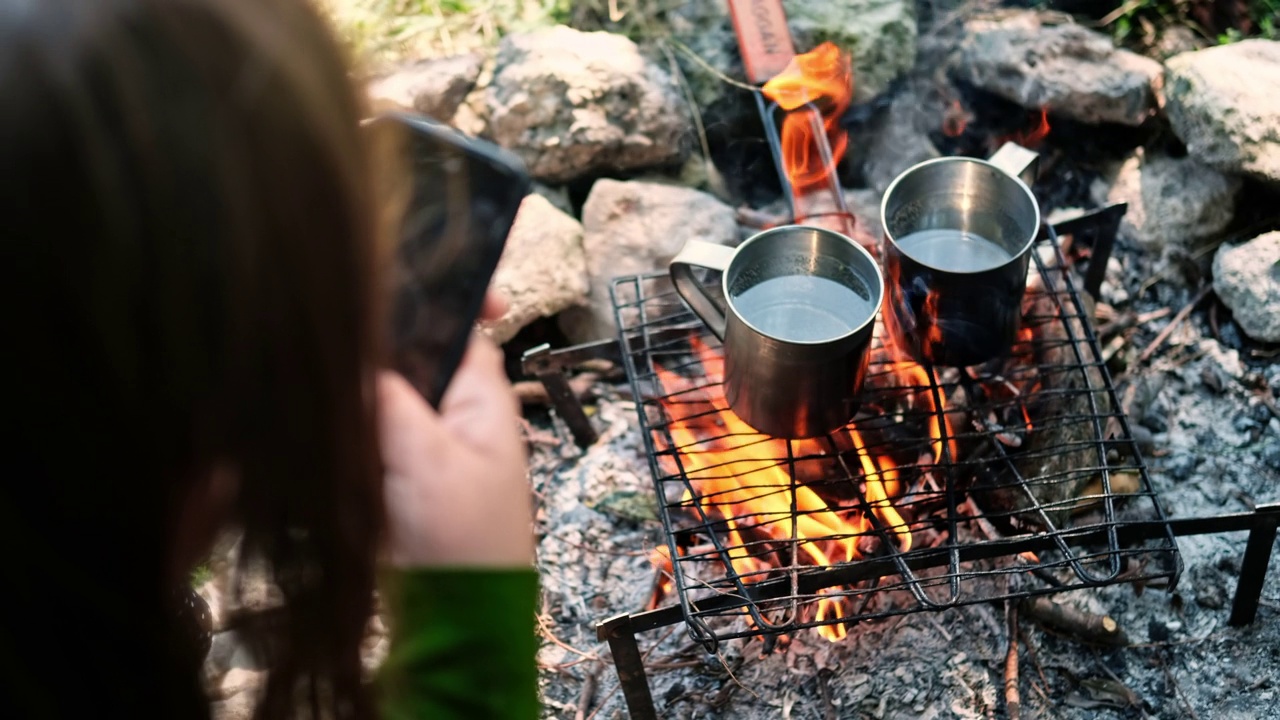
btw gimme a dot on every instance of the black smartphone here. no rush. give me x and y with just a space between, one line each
460 202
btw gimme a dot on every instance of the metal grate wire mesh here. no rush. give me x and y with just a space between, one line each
951 486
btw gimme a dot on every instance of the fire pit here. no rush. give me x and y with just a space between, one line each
951 488
911 505
1017 478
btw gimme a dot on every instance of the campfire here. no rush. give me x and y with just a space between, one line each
937 459
994 486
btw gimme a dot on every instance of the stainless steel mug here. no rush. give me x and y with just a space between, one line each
958 236
796 318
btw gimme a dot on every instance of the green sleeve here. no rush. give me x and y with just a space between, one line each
462 645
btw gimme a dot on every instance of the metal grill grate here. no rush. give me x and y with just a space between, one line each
1008 480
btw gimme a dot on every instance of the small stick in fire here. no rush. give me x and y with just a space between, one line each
1012 698
1084 626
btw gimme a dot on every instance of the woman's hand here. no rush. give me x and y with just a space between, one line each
456 489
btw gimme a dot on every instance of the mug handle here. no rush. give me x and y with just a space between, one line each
1017 161
697 253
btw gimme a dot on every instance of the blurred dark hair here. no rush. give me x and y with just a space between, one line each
188 236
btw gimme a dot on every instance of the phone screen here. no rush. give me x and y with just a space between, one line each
463 199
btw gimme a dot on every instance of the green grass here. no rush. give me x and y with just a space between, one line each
201 575
1139 23
383 33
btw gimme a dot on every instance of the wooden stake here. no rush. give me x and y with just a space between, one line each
1012 698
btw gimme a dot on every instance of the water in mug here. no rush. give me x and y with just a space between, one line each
802 308
954 250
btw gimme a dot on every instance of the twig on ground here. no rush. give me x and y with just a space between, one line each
1012 698
933 619
588 692
536 436
1178 688
1035 660
824 687
1127 320
533 392
725 664
1264 393
1130 696
1173 324
1086 627
680 665
1195 255
546 632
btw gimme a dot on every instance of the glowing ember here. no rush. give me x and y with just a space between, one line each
1033 136
664 584
955 119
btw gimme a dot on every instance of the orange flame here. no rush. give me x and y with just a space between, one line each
663 584
736 476
955 119
1033 136
909 373
823 77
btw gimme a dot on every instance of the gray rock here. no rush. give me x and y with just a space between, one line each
542 270
895 144
558 196
1172 201
1247 278
704 27
1224 103
434 87
1174 40
880 35
241 706
239 681
632 228
1070 70
228 651
572 104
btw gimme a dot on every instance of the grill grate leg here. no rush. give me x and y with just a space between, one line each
549 365
621 637
1253 569
569 407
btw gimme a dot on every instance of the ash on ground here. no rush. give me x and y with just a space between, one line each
1212 452
1203 410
